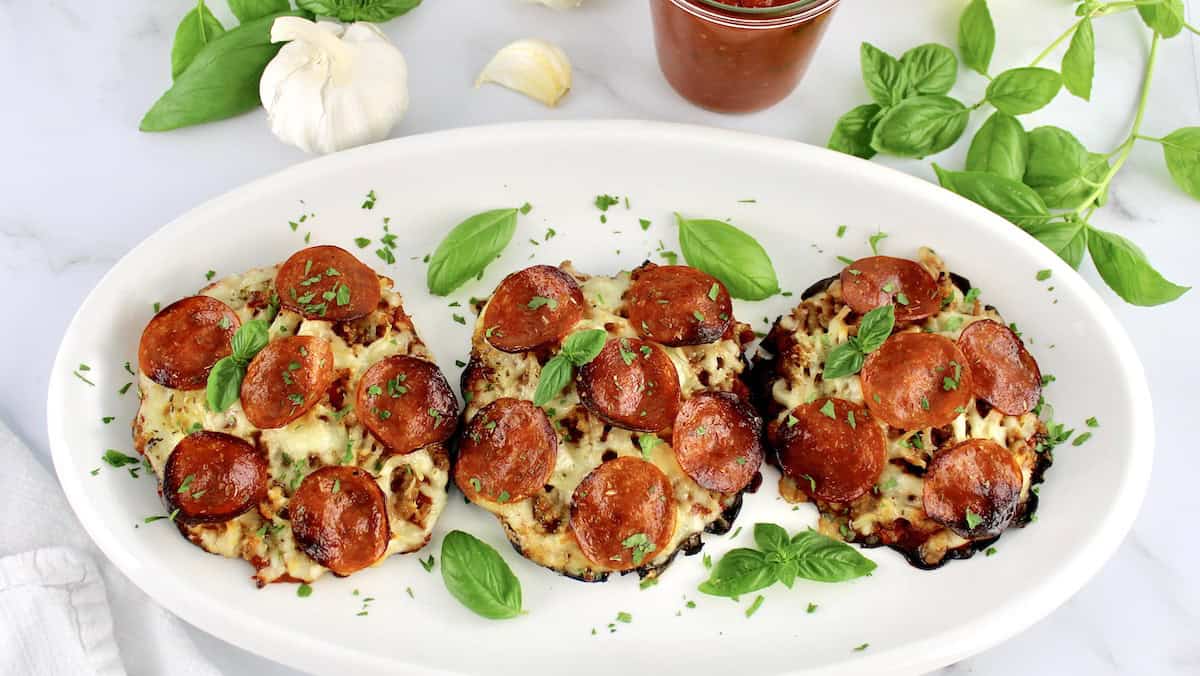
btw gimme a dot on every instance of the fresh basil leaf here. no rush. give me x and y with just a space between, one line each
883 75
224 383
824 559
1003 196
198 28
770 537
740 571
375 11
583 346
1165 17
920 126
930 69
249 10
875 328
1000 147
1055 156
478 577
250 337
555 375
1071 193
469 248
844 360
1181 150
852 134
1125 269
1079 63
785 572
220 82
1068 240
1023 90
732 256
977 36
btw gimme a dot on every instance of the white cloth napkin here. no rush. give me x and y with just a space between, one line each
64 608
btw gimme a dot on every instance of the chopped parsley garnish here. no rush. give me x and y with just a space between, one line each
428 564
973 519
80 376
647 442
624 617
812 608
989 551
118 459
108 418
972 295
828 411
538 301
860 648
1092 422
304 590
362 242
386 255
714 291
369 202
459 318
1079 440
698 315
758 601
503 497
603 202
640 545
847 261
925 403
1043 275
736 533
874 241
526 208
645 223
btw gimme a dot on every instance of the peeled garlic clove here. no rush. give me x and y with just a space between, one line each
533 67
557 4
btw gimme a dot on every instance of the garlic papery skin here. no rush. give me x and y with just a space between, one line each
533 67
333 86
557 4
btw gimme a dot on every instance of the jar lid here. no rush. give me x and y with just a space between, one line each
761 11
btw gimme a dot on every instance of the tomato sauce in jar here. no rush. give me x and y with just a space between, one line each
737 56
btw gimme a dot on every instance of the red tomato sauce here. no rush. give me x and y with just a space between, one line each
734 61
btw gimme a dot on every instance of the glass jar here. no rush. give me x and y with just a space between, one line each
737 59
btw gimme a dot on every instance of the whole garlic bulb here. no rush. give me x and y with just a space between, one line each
333 86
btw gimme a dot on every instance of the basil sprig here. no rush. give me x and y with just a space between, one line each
468 248
847 359
730 255
375 11
249 10
1044 181
225 378
220 81
476 575
807 555
198 28
578 349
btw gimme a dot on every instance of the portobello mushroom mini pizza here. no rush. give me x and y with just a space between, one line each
295 419
905 409
607 425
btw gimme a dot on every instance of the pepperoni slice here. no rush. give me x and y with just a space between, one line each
339 518
678 305
180 345
623 514
406 403
633 384
532 307
212 476
832 448
917 380
327 282
872 282
1004 372
717 440
974 488
507 452
284 380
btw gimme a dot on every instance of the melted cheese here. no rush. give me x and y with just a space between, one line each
322 436
517 375
898 493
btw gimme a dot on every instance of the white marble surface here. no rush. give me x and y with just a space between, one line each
80 186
